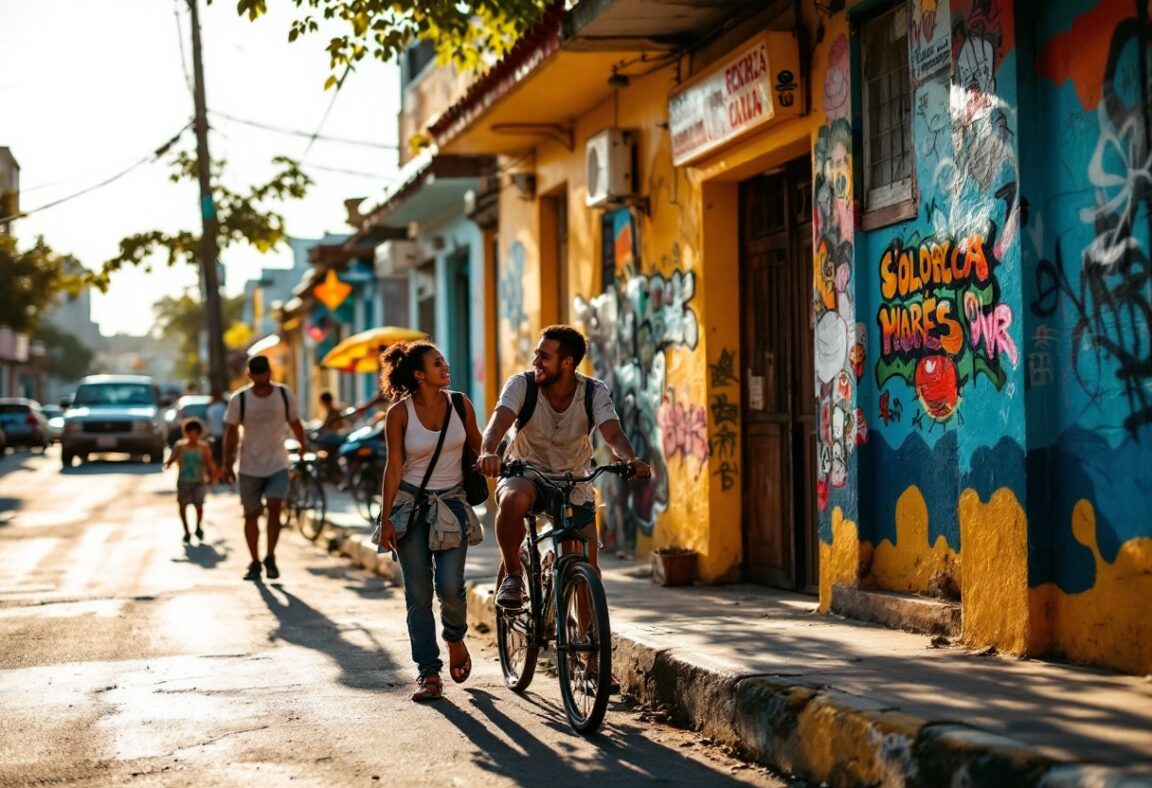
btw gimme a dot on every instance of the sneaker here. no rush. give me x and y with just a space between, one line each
200 533
270 567
253 572
511 593
187 538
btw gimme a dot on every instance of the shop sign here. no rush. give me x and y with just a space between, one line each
756 85
13 345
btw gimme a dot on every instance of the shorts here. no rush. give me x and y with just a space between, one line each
583 514
191 493
254 489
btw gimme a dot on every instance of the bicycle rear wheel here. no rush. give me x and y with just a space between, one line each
585 666
516 636
311 507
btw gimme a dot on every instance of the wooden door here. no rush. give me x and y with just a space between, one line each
779 414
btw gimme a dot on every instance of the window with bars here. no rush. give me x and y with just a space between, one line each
889 163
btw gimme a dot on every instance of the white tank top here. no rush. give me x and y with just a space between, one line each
420 442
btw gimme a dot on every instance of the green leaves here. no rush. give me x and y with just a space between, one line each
33 279
244 218
470 35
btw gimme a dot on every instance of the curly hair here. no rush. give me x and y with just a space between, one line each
400 363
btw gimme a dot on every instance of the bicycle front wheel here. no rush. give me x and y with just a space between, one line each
516 636
311 507
585 664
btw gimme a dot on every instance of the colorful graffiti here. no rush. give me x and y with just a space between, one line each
840 347
1110 305
684 429
941 321
630 326
512 307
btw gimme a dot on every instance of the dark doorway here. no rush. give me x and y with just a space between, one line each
779 415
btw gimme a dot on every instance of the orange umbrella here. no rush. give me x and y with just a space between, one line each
359 352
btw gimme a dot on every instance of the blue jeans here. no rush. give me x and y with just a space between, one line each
422 569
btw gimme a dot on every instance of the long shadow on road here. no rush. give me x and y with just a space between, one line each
304 625
622 755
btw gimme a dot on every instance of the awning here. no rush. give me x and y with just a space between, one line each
559 69
430 184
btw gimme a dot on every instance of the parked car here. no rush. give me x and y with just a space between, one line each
23 422
114 413
190 406
55 416
3 442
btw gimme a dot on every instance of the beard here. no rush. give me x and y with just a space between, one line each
546 378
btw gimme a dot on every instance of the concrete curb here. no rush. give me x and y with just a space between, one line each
819 733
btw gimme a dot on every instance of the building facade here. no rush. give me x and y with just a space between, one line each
868 282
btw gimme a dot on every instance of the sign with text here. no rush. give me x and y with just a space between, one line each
757 84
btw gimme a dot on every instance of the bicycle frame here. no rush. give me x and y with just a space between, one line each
545 596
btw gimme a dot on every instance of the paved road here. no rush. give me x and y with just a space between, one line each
127 657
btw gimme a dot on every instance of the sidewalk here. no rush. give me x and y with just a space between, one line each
842 702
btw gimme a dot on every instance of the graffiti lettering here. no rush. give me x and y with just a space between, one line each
943 323
906 271
723 410
990 327
723 372
728 474
724 443
1040 371
684 428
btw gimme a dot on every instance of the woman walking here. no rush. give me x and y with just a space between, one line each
425 516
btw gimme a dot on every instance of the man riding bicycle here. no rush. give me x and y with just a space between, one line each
555 409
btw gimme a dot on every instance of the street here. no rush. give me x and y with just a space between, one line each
129 657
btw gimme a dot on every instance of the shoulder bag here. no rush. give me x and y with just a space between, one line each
475 484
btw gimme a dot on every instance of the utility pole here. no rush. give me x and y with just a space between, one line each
209 239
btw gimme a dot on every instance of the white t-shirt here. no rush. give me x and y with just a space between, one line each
420 442
559 442
265 426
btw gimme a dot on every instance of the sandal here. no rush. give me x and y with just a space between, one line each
460 669
428 688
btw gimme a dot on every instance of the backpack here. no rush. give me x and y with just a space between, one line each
533 393
283 396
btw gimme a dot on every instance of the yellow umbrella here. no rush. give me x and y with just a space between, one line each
359 352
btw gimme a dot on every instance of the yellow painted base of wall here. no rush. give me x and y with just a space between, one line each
912 565
844 561
994 588
1109 624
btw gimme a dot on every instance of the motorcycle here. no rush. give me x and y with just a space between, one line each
364 454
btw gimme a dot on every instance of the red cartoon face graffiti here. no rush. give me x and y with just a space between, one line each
937 386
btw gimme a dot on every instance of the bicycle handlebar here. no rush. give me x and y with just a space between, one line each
522 467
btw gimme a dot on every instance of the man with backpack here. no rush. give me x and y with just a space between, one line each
262 409
555 409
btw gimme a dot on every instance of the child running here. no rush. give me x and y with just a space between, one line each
197 471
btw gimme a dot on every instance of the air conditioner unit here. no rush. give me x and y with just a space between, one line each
395 257
609 161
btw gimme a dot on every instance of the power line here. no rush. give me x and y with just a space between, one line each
327 112
298 133
151 157
358 173
180 41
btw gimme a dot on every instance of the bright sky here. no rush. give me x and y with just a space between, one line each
88 89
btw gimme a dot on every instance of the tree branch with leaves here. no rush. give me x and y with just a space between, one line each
244 218
467 34
31 280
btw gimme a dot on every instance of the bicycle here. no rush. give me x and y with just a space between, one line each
305 495
579 624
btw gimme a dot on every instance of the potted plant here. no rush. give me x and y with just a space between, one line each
673 566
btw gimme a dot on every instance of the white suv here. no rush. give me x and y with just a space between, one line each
114 413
